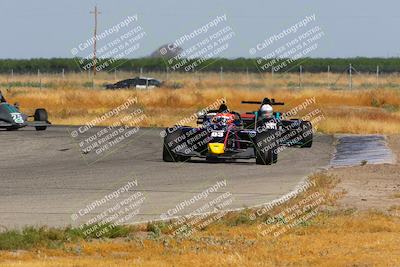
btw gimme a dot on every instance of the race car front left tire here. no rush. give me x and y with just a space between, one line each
172 140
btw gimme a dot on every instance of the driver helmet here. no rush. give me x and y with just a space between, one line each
2 99
223 108
266 112
224 118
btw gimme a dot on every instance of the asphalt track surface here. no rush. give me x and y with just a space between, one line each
45 177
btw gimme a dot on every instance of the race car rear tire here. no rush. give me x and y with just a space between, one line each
40 115
306 134
168 154
266 147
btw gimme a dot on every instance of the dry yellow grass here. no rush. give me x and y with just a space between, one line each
366 109
366 239
331 238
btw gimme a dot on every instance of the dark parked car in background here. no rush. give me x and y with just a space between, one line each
138 82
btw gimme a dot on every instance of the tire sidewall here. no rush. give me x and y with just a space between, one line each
266 146
40 115
171 141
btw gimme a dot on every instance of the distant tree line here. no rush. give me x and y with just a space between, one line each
54 65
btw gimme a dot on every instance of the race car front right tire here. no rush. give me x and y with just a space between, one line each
172 141
266 146
306 134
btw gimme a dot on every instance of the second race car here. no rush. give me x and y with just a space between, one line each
11 118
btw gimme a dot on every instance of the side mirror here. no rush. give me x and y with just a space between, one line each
16 105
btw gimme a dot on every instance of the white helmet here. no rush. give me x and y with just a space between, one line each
266 111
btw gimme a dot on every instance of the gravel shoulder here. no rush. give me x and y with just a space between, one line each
375 187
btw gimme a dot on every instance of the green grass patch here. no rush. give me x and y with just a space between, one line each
27 84
32 237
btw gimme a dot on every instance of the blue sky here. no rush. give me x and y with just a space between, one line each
50 28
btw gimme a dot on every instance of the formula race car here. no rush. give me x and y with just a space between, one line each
223 134
12 119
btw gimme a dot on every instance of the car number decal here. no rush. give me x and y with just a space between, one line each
17 117
217 134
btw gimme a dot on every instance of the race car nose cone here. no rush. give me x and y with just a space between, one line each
216 148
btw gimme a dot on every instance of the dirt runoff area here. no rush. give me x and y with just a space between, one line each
372 187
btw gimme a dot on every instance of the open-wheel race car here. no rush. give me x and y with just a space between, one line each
224 134
11 118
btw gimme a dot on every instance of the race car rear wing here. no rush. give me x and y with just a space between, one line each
266 101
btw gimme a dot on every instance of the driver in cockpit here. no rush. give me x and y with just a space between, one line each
2 99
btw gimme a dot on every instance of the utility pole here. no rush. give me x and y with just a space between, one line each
350 77
40 79
300 76
95 12
377 76
329 71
